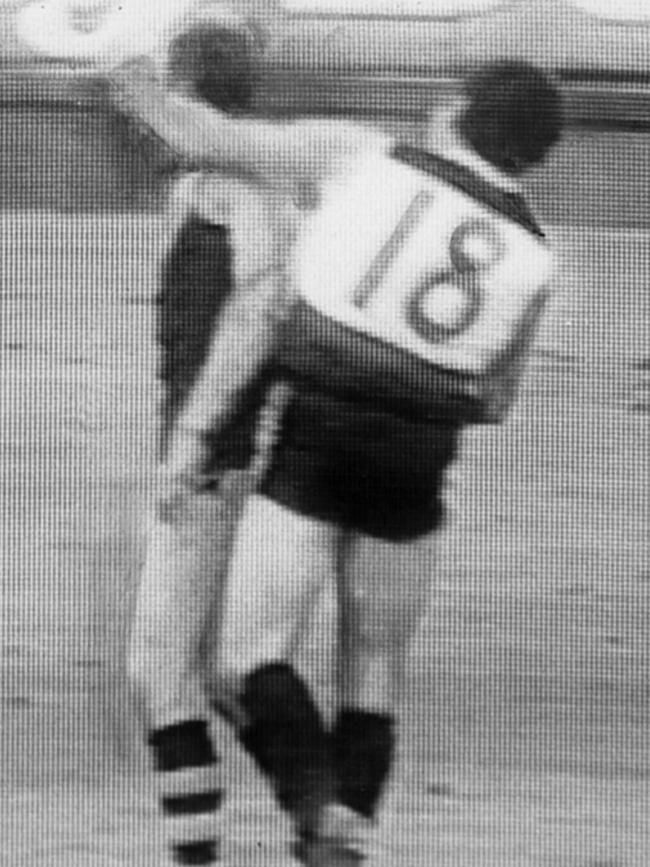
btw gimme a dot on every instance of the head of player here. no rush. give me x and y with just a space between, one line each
510 115
219 64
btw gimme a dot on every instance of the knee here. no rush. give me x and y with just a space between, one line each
243 653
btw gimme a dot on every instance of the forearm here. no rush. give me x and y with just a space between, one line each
283 156
195 131
241 346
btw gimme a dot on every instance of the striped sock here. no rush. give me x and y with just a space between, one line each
189 782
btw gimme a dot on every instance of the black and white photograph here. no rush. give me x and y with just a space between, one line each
325 433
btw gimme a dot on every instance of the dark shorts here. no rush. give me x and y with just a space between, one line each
361 468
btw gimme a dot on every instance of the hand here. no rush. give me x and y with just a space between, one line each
187 455
182 476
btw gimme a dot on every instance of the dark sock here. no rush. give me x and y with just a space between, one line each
287 738
188 775
363 745
181 746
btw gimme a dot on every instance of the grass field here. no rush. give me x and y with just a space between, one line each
528 733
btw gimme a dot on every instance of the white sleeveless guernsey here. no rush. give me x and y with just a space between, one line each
420 285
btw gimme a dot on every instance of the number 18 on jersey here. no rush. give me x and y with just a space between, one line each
415 293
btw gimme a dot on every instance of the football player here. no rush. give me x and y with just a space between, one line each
227 236
420 276
216 279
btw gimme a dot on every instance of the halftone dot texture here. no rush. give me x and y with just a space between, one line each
524 728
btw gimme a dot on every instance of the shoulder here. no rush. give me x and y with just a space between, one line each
208 195
309 152
338 133
341 141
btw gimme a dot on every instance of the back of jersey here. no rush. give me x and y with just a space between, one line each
420 287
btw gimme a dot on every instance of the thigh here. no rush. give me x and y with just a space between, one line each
281 561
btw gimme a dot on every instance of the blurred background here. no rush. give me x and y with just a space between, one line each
528 721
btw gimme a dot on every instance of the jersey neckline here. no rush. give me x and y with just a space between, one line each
511 205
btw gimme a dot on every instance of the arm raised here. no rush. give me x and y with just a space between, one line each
294 158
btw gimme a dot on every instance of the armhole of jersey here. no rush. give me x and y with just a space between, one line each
370 145
181 196
334 148
190 200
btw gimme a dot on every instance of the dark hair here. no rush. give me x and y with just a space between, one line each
513 116
221 64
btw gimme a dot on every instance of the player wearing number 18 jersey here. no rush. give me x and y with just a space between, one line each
420 280
427 338
419 277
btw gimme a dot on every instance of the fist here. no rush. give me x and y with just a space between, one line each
186 456
182 476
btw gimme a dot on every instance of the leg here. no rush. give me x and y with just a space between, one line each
378 477
280 563
182 581
382 592
182 575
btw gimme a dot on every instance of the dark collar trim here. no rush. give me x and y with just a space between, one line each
510 205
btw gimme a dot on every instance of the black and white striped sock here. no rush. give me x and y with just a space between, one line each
188 774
